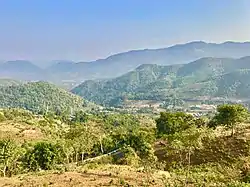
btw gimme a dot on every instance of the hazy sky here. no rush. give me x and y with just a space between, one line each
90 29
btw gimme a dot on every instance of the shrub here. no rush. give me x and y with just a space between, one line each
10 154
128 157
2 117
44 155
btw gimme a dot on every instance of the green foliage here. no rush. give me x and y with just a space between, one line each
191 138
79 117
10 154
201 122
2 117
191 152
141 141
11 114
43 155
216 77
188 141
231 115
80 141
172 122
127 121
129 157
39 97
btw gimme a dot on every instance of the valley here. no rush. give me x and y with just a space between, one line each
129 93
185 123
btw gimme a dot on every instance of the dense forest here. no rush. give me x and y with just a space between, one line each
39 97
170 149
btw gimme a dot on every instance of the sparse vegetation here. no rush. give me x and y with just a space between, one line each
173 151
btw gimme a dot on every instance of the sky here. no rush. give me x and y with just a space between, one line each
86 30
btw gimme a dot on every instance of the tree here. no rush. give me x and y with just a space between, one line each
80 117
10 152
200 122
81 139
172 122
140 140
188 141
43 155
230 115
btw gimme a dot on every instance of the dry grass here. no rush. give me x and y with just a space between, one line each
108 175
20 131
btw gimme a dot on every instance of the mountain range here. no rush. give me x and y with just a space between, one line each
206 77
69 73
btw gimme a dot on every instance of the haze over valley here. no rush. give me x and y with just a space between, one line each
76 72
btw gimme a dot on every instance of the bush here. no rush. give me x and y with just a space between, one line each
10 154
44 155
11 114
2 117
128 157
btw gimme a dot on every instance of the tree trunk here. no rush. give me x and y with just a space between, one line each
232 133
4 171
67 157
76 157
82 156
189 163
101 145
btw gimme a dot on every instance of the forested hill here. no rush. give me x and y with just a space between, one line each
39 97
224 77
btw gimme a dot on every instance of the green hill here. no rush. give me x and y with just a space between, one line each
204 77
39 96
234 84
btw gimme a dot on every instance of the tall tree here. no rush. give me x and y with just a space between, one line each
231 115
172 122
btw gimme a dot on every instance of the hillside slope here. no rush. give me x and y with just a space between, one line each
206 76
39 96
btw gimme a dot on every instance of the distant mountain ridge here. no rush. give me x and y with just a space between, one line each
76 72
22 70
8 82
204 77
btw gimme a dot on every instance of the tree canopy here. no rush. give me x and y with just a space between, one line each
231 115
172 122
